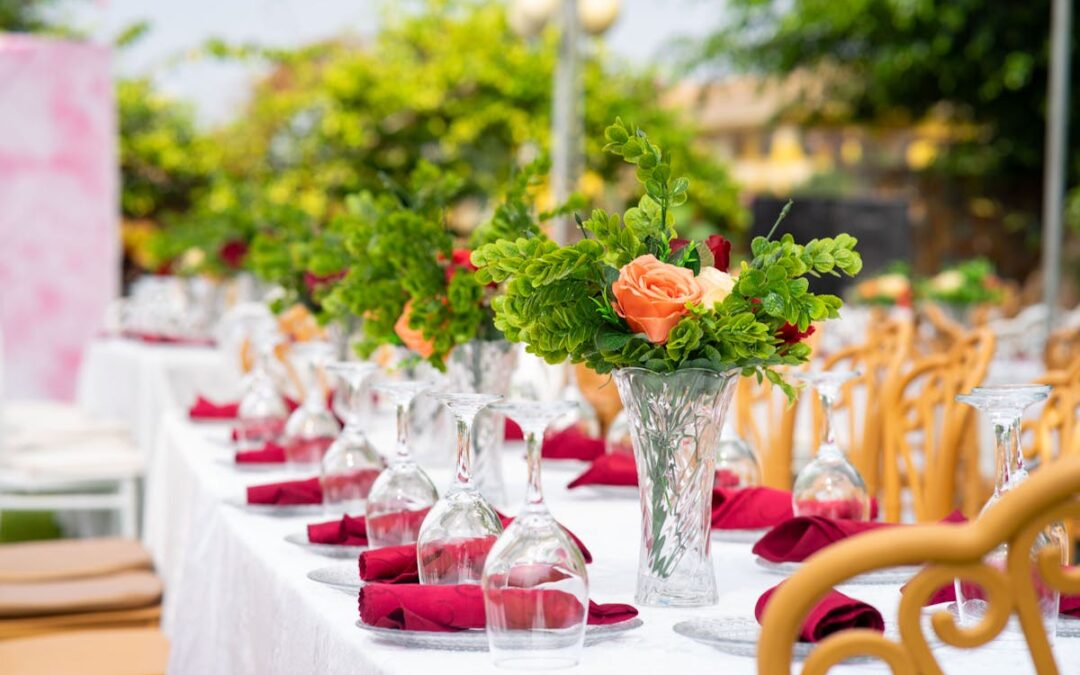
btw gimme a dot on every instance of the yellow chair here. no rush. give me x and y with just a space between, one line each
129 651
880 361
948 552
929 436
766 420
1056 432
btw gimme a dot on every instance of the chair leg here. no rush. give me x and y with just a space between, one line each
128 493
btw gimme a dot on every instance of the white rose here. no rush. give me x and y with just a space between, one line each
948 281
715 286
892 285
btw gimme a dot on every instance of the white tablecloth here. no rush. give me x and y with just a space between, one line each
137 383
238 601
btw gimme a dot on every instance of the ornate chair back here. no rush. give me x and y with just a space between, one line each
927 433
948 552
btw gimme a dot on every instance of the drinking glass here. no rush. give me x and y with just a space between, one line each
1004 405
737 466
536 589
829 485
461 528
351 463
311 428
618 438
402 494
261 415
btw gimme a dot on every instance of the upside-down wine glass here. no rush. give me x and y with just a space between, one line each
312 427
829 485
402 494
261 415
461 528
351 463
1005 405
536 589
737 466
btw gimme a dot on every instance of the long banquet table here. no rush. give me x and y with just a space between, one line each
238 600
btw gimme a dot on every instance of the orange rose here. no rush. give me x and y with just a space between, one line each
412 338
652 296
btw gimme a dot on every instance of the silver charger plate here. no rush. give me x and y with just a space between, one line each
739 636
738 536
476 640
892 575
280 511
607 491
1068 626
345 578
328 550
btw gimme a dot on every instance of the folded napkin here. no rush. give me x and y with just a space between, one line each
846 509
572 443
1070 604
400 564
353 531
832 614
289 493
205 409
796 539
618 468
347 531
271 453
750 508
162 339
512 431
461 607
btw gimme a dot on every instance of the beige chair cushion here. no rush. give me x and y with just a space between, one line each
70 559
123 590
118 618
125 651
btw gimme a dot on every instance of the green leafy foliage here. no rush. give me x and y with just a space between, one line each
968 283
559 302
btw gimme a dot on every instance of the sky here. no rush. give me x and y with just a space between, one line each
643 33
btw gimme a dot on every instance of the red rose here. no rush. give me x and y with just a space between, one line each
717 245
791 334
313 281
460 259
232 253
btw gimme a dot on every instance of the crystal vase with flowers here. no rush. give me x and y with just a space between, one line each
676 330
412 280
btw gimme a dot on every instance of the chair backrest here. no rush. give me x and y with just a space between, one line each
1056 431
938 332
1062 351
927 432
948 552
880 361
765 418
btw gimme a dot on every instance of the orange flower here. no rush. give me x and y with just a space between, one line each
652 296
412 338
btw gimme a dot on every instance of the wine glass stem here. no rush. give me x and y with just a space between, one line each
534 493
464 442
313 396
1007 451
828 398
403 430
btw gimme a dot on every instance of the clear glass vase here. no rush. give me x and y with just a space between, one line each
675 421
485 367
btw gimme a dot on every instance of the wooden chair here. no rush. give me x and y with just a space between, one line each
928 435
949 552
765 418
125 651
1056 432
1062 351
937 331
880 361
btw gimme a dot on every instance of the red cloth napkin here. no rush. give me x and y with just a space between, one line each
161 339
618 468
287 494
833 613
271 453
750 508
461 607
400 564
205 409
797 539
572 443
512 431
348 531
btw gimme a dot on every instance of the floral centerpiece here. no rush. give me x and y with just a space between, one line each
677 328
890 289
971 282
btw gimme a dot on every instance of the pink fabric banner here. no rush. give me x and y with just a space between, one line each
59 235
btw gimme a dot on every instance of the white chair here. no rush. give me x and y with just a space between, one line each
56 458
